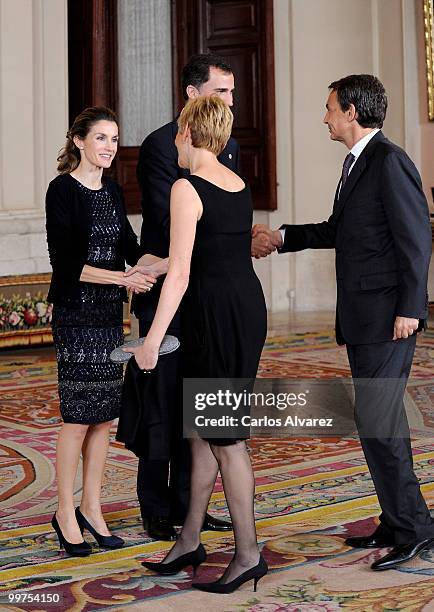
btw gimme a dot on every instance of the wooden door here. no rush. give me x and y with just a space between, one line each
239 30
242 32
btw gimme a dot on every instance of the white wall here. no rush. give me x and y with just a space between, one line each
316 41
277 273
323 41
33 124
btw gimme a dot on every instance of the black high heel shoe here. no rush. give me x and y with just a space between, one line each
83 549
103 541
254 573
194 558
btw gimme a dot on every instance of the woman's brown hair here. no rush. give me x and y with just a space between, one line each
69 156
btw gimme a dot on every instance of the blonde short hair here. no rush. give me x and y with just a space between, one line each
210 122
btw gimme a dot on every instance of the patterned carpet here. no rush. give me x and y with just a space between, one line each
310 494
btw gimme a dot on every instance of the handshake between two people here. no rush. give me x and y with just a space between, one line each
142 277
265 240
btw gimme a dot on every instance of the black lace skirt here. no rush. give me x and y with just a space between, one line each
90 384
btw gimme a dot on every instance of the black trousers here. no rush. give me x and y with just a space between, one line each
404 514
163 487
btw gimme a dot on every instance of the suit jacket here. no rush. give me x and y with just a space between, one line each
68 226
157 170
381 232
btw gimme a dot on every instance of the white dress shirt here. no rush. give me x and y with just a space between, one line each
360 145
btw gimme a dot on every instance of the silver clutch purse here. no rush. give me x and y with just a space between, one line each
169 345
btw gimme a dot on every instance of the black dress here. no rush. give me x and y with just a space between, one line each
224 318
90 327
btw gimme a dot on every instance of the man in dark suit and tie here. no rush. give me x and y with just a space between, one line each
381 233
163 487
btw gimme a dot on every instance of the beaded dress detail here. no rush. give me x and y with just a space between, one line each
85 334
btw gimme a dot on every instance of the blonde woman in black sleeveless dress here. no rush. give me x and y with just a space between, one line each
224 327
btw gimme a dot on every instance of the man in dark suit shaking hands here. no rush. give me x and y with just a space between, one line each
163 487
381 233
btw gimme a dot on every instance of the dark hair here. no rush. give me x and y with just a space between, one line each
69 156
196 71
368 95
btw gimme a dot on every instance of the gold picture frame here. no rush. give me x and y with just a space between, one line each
428 19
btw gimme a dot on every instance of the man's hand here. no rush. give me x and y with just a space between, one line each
264 240
261 246
404 327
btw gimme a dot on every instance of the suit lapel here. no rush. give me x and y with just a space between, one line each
356 173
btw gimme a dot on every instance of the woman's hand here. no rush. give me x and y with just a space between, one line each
138 282
156 269
185 209
146 356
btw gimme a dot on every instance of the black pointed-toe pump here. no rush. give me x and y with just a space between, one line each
254 573
103 541
193 558
82 549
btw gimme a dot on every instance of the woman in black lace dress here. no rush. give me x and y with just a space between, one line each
89 239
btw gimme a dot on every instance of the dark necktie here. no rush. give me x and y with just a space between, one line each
346 168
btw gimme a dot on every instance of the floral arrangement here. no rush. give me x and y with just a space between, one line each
24 312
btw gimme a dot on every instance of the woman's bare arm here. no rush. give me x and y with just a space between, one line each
137 282
185 211
150 264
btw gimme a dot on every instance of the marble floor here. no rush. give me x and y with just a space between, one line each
292 322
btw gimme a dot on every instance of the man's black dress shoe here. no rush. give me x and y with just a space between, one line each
372 541
211 523
401 554
159 528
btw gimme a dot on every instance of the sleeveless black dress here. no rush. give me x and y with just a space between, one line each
224 318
